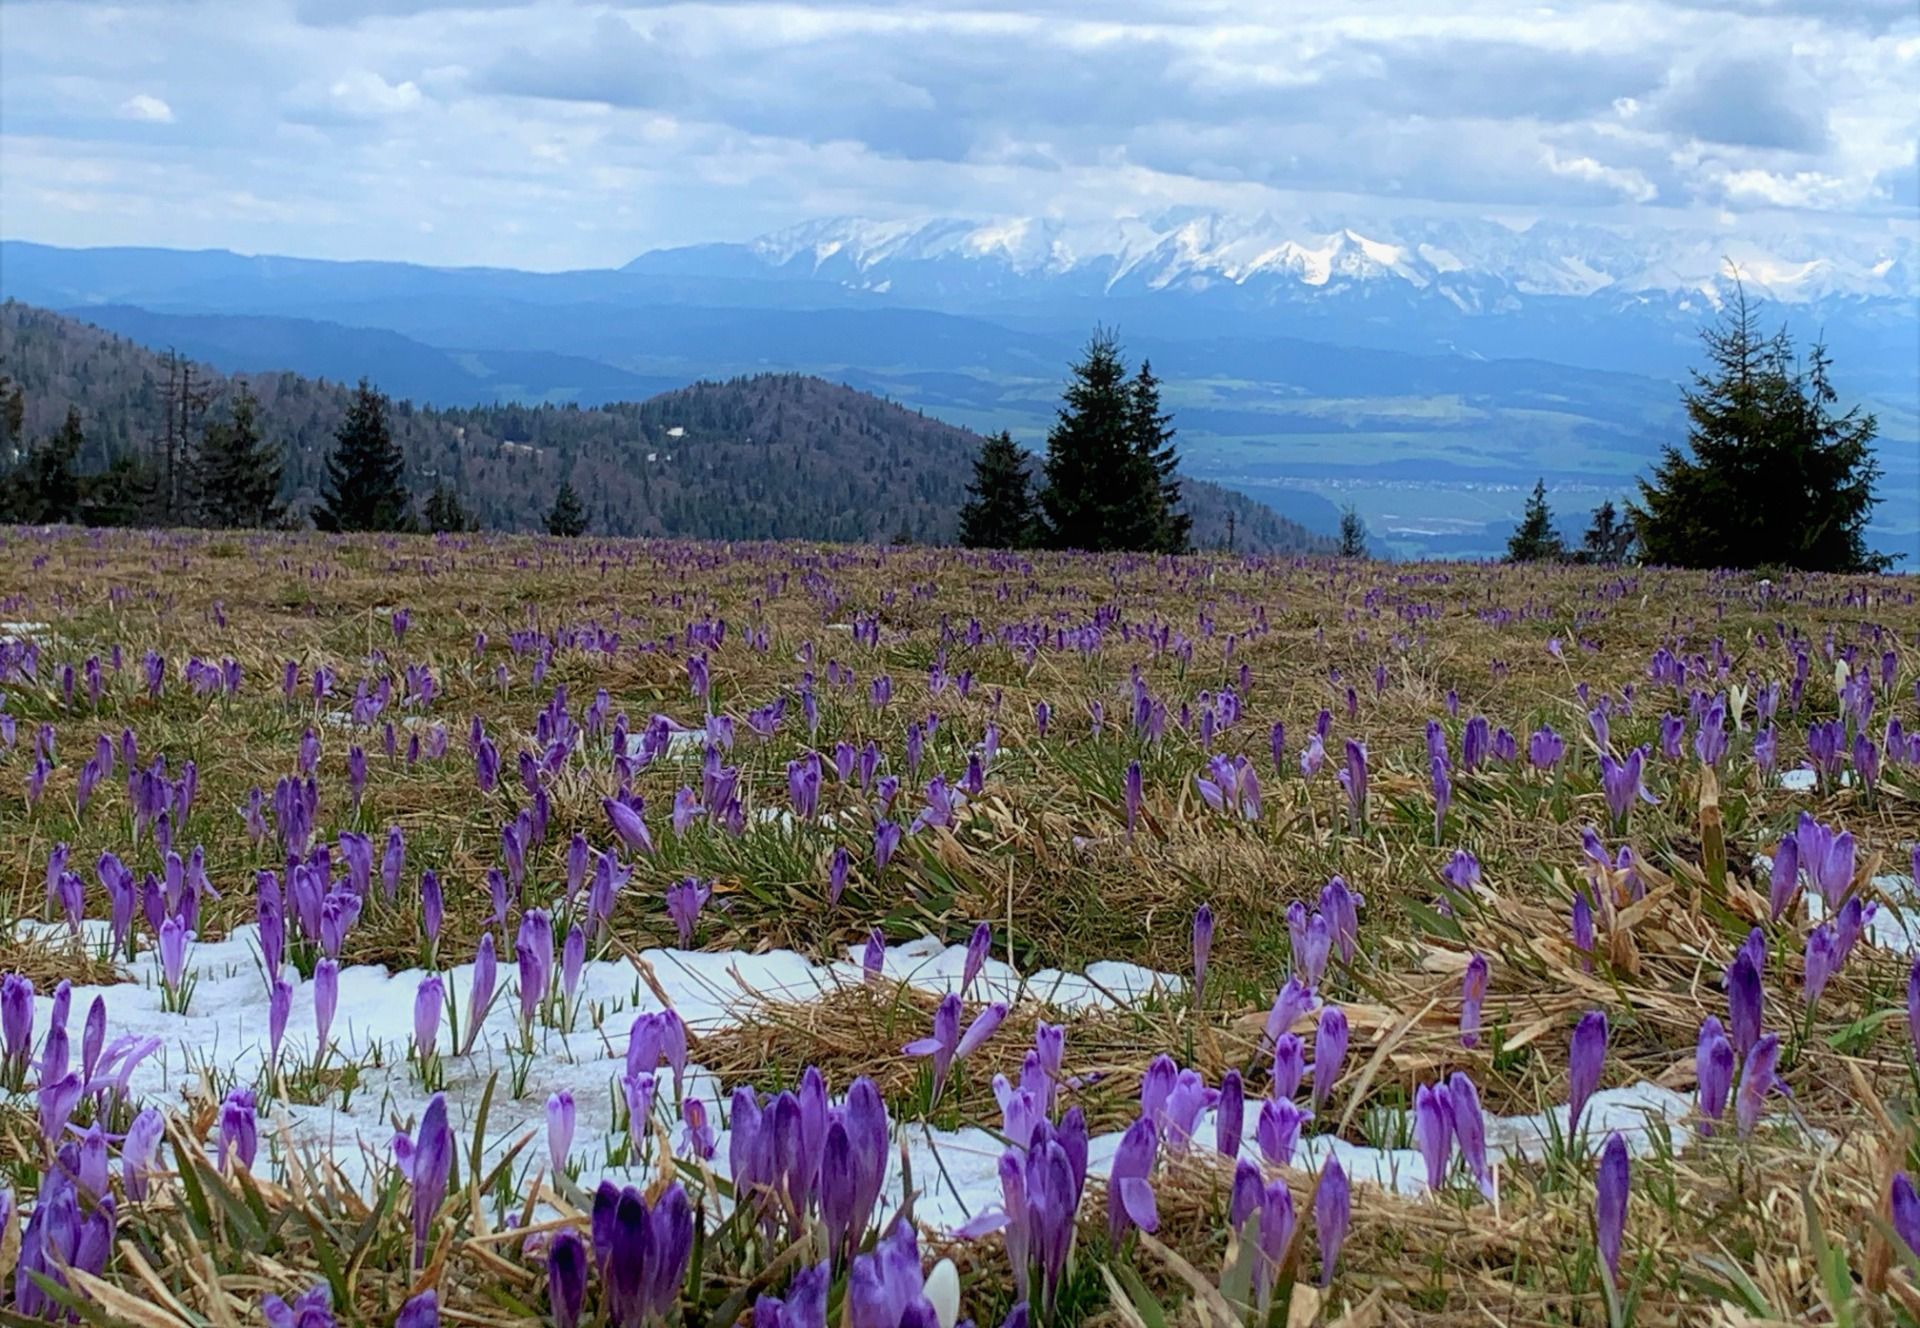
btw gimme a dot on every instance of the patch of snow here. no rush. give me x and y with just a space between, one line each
223 1039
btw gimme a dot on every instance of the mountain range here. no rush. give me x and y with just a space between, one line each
1424 370
772 456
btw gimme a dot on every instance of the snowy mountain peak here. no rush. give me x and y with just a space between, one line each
1466 260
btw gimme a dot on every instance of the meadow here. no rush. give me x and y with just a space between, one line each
495 931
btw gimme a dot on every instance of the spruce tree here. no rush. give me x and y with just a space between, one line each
239 470
567 518
999 514
444 514
44 488
1535 539
1353 533
1609 536
1104 487
1770 474
1153 438
366 486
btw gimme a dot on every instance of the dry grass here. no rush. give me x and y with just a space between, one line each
1729 1231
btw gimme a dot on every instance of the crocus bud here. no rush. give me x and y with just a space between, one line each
1713 1070
1904 1208
560 1122
1332 1210
1433 1131
1130 1200
1610 1203
427 1000
977 946
1229 1115
1744 1002
1584 1063
1329 1053
326 997
239 1130
1473 992
1756 1081
1202 951
566 1278
1470 1128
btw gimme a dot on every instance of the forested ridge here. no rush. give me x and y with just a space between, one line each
768 456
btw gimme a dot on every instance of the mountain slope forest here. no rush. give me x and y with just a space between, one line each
775 456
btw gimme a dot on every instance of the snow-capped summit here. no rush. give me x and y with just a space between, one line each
1471 262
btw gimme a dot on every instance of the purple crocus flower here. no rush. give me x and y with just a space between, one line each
239 1131
1757 1079
1229 1115
886 840
1295 999
1823 958
1785 878
427 1000
326 997
1545 748
480 994
422 1311
1342 909
1433 1131
696 1135
1353 781
426 1159
838 866
567 1278
1744 1001
1623 784
1473 993
1610 1202
1913 999
628 825
1904 1209
1470 1129
684 902
1584 1063
312 1308
1713 1071
976 956
1202 951
16 1027
1277 1129
1332 1210
173 953
139 1152
1329 1053
942 1043
1130 1199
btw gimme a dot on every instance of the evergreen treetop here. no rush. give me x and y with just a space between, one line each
567 518
1109 471
239 471
366 475
1535 540
1770 474
999 512
1353 533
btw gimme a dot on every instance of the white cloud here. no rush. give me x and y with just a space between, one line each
147 109
647 124
1629 184
365 93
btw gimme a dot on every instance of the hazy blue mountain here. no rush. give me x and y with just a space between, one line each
1426 372
259 343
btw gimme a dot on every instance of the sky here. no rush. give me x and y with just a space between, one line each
551 134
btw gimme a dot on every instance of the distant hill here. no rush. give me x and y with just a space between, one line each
771 456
